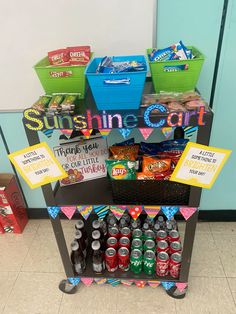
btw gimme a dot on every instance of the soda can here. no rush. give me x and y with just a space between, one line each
112 222
123 223
137 244
124 242
113 232
149 245
112 242
174 236
162 246
126 216
123 259
162 264
111 260
149 262
157 227
136 261
125 232
161 235
149 235
145 226
137 234
175 264
134 225
175 247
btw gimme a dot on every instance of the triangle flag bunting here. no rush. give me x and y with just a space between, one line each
68 211
181 286
113 282
48 132
104 132
127 283
87 132
135 211
187 212
101 211
189 131
152 211
85 210
66 132
153 283
167 284
87 281
167 131
118 211
74 280
125 132
169 211
53 211
140 283
100 281
146 132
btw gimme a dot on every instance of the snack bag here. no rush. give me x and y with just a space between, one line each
54 105
125 152
152 165
42 103
59 57
126 143
79 55
173 145
143 176
173 155
150 148
121 169
163 175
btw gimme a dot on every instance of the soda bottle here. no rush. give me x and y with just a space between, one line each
97 258
79 238
96 236
97 226
103 226
77 258
80 226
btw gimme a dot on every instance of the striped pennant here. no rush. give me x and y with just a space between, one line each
100 281
153 283
113 282
48 132
189 131
118 210
104 132
152 211
101 211
74 280
127 283
85 210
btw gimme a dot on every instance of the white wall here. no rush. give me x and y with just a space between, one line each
29 29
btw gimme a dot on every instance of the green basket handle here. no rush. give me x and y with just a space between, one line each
60 74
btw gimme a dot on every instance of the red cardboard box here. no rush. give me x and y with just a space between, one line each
13 216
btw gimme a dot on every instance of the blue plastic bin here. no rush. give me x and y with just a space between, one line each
112 94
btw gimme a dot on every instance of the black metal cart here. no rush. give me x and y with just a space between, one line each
99 192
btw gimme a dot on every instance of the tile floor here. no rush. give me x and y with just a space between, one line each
30 270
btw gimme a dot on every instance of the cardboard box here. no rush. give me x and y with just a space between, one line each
13 216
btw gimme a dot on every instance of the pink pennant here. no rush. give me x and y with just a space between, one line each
152 211
146 132
68 211
135 211
153 283
66 132
187 212
167 131
118 210
181 286
140 283
87 281
87 132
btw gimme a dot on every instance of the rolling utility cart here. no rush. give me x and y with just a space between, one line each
119 192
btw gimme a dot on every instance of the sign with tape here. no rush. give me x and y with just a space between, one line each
37 165
200 165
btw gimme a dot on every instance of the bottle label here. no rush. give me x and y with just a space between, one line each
97 268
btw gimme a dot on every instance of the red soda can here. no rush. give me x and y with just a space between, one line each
161 235
162 264
175 264
113 232
124 242
162 246
174 235
123 259
111 260
125 232
112 242
175 247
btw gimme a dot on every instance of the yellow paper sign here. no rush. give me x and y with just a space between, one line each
37 165
200 165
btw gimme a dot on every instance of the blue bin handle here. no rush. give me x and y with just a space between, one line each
125 81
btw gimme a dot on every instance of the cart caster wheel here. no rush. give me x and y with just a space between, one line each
66 287
175 293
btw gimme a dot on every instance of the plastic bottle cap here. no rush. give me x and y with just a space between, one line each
79 224
74 246
96 245
78 234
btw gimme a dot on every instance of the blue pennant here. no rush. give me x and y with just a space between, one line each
167 284
169 211
189 131
74 280
101 211
113 282
48 132
125 132
53 211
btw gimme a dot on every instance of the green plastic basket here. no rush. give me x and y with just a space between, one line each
61 79
179 81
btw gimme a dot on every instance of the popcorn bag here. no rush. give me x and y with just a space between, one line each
13 216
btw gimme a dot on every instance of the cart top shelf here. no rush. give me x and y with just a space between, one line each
87 116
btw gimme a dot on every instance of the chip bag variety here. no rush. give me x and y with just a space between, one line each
79 55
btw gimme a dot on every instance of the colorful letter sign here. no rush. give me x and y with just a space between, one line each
37 165
200 165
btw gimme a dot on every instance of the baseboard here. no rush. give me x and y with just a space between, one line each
204 215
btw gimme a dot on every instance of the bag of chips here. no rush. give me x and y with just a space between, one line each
152 165
121 169
125 152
